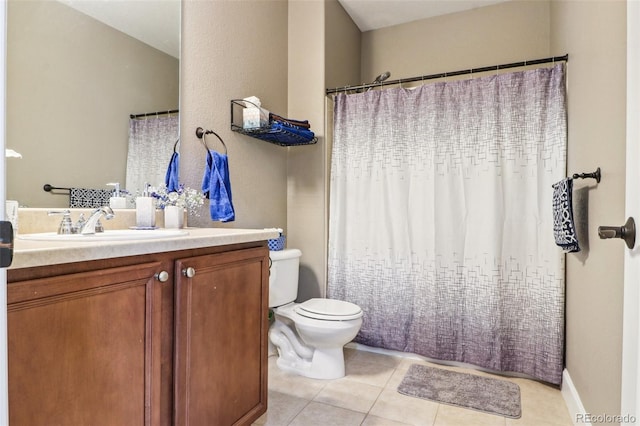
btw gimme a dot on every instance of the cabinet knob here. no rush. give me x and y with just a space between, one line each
189 272
162 276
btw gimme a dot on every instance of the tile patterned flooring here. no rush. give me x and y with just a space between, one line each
367 396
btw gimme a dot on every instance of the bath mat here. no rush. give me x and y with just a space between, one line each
479 393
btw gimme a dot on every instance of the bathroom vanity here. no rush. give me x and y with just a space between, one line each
152 332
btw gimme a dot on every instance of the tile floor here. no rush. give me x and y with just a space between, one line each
367 396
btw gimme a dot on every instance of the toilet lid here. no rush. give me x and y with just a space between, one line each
329 310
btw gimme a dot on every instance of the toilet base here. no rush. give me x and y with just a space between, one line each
310 347
326 363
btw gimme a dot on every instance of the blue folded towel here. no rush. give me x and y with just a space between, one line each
172 179
564 229
305 134
216 186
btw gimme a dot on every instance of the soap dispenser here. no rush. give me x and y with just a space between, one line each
117 201
145 210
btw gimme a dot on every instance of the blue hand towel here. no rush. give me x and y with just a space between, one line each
216 186
564 228
172 179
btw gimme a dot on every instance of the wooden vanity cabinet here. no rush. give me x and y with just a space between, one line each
221 338
109 343
82 348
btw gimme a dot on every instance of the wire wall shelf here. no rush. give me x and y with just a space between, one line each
274 133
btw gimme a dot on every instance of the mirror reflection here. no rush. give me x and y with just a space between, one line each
72 83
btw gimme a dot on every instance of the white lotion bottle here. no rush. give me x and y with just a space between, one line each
145 210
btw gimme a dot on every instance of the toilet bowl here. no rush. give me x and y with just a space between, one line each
309 336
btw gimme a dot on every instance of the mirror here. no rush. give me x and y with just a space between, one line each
72 83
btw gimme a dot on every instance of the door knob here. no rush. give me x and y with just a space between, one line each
6 244
162 276
627 232
189 272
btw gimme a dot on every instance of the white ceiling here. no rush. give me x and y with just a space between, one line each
374 14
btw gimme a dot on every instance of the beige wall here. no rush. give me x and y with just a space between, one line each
230 50
343 47
71 84
331 47
323 51
593 33
503 33
306 164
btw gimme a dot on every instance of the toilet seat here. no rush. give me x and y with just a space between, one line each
328 310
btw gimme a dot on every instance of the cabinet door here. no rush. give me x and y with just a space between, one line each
221 338
84 348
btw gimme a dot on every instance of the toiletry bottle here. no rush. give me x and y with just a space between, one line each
117 201
11 209
145 210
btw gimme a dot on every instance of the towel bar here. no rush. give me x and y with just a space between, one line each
49 188
594 175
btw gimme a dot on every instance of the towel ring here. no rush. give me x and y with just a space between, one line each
201 134
175 146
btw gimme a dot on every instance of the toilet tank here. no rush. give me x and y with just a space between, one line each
283 276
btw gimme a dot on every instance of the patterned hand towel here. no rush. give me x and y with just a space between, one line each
564 228
89 198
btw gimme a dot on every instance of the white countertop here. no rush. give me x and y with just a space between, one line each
29 253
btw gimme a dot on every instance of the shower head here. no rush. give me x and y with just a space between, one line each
382 77
379 79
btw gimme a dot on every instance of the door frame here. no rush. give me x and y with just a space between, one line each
630 392
4 381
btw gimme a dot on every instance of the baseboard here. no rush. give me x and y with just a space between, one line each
572 399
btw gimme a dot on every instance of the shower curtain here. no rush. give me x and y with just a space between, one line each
151 141
441 224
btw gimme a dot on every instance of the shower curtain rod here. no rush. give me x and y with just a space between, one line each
451 74
151 114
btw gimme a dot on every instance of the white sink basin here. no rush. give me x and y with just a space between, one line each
109 235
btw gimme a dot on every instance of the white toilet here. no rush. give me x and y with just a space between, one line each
309 336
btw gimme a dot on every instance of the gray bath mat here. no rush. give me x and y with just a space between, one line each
484 394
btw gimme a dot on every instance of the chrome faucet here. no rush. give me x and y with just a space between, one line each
89 226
